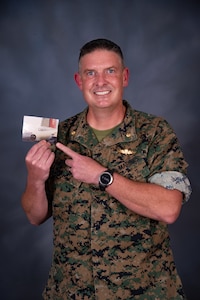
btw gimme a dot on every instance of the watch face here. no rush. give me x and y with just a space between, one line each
105 178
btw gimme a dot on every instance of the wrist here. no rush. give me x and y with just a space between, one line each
35 183
106 179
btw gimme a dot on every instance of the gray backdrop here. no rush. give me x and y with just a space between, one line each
39 45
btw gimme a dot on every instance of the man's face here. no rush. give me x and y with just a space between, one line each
102 78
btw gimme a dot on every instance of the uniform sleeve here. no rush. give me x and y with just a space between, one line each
164 152
173 180
168 167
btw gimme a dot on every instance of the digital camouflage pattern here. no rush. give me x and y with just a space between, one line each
102 250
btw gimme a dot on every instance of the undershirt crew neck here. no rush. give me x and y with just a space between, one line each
101 134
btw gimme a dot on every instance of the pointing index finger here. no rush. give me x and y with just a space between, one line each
66 150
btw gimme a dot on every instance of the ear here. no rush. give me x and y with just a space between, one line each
78 80
125 77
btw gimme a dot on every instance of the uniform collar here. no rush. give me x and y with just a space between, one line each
125 132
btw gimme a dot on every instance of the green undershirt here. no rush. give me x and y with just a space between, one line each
101 134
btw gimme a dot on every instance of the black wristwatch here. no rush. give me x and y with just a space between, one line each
105 179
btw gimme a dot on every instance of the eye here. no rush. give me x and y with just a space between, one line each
90 73
110 70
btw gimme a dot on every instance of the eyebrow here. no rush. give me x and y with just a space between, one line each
93 69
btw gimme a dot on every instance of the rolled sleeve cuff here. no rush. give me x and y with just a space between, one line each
173 180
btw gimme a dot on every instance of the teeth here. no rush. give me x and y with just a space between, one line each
102 93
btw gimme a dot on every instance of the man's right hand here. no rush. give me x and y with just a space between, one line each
34 200
38 161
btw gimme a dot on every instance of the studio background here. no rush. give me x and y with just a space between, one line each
39 47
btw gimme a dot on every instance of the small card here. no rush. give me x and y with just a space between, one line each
35 129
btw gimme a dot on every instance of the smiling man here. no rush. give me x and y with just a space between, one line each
117 178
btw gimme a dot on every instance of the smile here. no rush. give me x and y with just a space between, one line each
102 93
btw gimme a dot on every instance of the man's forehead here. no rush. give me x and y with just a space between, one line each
100 56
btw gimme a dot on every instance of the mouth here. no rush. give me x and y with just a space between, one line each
102 93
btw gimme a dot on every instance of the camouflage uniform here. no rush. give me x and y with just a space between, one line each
102 250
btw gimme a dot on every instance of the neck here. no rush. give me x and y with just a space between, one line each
105 119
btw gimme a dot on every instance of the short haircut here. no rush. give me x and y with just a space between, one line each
100 44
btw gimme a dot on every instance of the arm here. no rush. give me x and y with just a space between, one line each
34 200
146 199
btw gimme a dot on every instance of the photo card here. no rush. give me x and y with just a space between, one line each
35 129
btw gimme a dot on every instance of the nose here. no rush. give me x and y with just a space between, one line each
100 79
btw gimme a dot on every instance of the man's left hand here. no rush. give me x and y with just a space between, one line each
83 168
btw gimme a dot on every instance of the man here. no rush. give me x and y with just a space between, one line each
117 178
